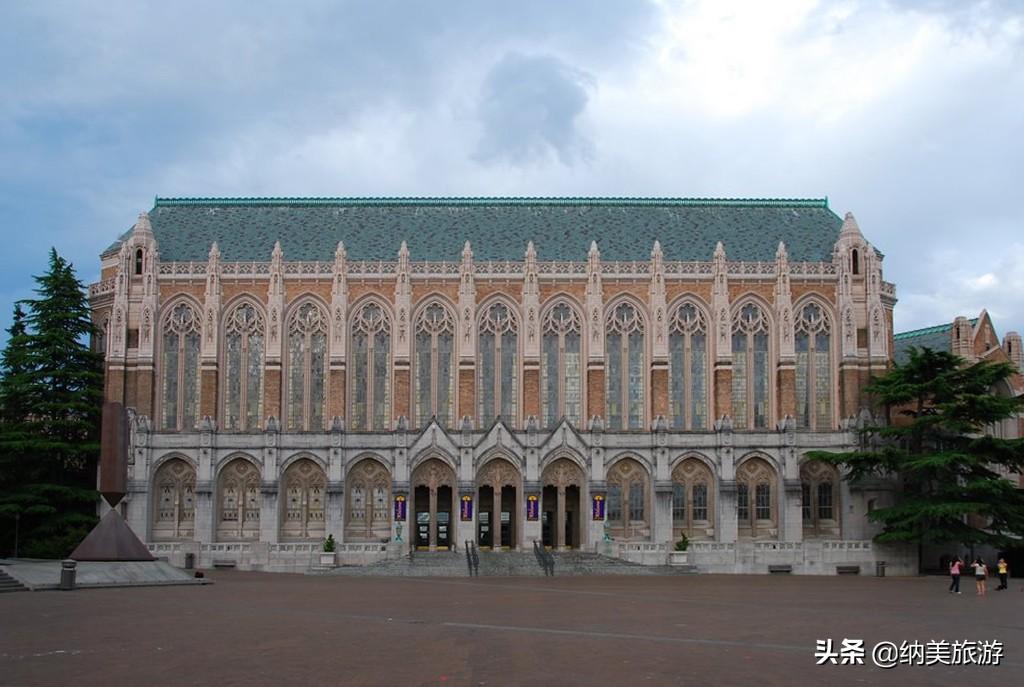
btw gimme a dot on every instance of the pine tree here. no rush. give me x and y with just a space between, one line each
50 400
66 374
952 473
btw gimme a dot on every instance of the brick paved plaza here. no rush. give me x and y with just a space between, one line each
276 629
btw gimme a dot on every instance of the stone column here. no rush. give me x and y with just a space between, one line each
560 519
496 519
792 526
726 529
433 517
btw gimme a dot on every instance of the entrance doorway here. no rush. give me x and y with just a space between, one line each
496 522
560 517
433 505
562 505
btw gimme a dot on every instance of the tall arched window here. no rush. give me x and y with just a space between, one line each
305 494
307 368
496 386
239 499
175 514
692 509
750 368
371 369
138 261
819 484
813 369
181 368
755 499
243 368
624 368
435 356
561 367
687 368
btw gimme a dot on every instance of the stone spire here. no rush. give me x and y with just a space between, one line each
403 303
211 304
531 304
339 302
275 303
720 303
784 303
594 302
467 304
656 298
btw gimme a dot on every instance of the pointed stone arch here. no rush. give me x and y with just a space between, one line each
757 498
693 498
368 501
174 486
304 505
239 499
628 499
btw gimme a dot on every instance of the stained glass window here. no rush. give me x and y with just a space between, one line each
750 368
679 503
813 369
627 482
755 478
625 368
307 368
243 373
497 381
614 503
180 397
435 380
687 372
818 481
561 368
371 369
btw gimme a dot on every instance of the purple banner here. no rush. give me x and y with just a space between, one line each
466 508
400 508
532 507
598 510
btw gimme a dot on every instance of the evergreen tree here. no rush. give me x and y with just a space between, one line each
50 399
952 474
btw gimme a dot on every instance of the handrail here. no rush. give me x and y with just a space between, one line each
472 559
544 559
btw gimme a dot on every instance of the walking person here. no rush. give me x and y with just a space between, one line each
980 574
955 567
1004 572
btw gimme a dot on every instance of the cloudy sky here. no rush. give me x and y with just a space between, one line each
910 114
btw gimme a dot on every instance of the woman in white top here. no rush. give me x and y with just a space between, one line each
980 573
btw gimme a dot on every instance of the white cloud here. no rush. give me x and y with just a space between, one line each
908 113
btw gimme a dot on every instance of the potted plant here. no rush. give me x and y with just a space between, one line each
327 555
680 555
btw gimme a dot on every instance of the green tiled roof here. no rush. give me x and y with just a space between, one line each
937 338
497 228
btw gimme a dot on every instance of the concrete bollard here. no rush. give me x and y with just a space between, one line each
67 574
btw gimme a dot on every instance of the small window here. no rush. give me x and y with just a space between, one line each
856 261
138 261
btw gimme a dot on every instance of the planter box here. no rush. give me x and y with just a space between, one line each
679 558
327 559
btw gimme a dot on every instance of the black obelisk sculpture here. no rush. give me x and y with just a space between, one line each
112 539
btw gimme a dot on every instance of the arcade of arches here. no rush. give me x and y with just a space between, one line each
497 506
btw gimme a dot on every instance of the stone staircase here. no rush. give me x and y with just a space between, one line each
9 584
504 564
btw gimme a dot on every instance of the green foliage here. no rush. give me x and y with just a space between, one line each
51 390
329 544
683 544
951 473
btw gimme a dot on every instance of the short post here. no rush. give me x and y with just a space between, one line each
67 574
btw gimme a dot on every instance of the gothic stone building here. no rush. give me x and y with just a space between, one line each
590 373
